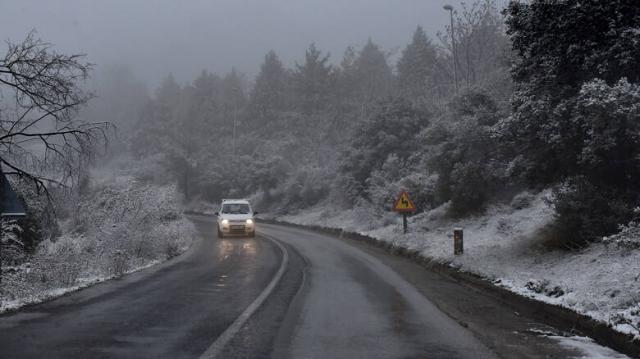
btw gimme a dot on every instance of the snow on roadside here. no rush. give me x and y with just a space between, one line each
587 347
503 245
43 296
122 226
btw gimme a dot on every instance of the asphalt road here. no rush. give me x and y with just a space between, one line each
333 299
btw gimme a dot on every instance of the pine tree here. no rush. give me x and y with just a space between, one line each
269 94
575 74
416 67
559 47
373 74
232 102
151 130
312 81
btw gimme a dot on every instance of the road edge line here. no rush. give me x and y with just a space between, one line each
219 344
550 314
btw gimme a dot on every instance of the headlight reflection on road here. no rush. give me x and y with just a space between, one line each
249 248
225 248
228 247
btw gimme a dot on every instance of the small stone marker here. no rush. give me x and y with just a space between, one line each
458 243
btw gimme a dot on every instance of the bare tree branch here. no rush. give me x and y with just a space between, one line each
45 141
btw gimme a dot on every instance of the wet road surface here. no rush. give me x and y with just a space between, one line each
356 307
336 299
173 312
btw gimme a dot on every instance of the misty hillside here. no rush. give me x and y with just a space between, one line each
520 124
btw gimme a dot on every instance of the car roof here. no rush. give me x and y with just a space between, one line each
238 201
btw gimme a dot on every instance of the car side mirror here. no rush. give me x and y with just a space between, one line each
255 212
217 214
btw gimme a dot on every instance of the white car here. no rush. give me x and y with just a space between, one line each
236 218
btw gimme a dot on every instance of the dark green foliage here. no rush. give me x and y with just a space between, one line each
417 67
560 46
463 152
586 211
372 73
575 108
391 130
354 132
605 190
312 80
269 95
40 223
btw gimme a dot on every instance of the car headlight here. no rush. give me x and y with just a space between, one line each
225 221
249 221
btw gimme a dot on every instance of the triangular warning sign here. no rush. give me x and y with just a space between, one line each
403 203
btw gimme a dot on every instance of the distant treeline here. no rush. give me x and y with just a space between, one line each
546 97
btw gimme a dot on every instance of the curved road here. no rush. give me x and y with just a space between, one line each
334 299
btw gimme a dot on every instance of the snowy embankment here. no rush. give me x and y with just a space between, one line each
121 227
504 246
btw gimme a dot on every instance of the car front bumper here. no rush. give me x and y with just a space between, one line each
238 228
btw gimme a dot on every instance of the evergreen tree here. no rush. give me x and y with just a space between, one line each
391 130
373 73
416 67
564 51
560 47
269 94
347 75
151 130
312 81
232 101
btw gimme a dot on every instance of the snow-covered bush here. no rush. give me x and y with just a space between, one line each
522 200
59 263
460 147
585 211
40 222
589 143
394 176
629 235
305 187
119 225
391 129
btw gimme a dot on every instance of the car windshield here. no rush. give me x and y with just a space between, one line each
235 208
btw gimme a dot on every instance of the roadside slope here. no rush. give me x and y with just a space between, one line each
590 290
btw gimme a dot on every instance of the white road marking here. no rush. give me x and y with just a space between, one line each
218 345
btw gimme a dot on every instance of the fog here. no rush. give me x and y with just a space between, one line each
518 124
155 38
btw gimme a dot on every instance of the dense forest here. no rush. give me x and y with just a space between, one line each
348 132
525 98
530 106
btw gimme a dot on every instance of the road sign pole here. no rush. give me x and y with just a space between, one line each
404 205
404 223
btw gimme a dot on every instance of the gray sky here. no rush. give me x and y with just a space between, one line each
157 37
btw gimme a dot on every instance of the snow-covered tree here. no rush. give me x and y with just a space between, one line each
417 67
481 48
391 130
567 127
269 94
373 73
312 81
41 136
